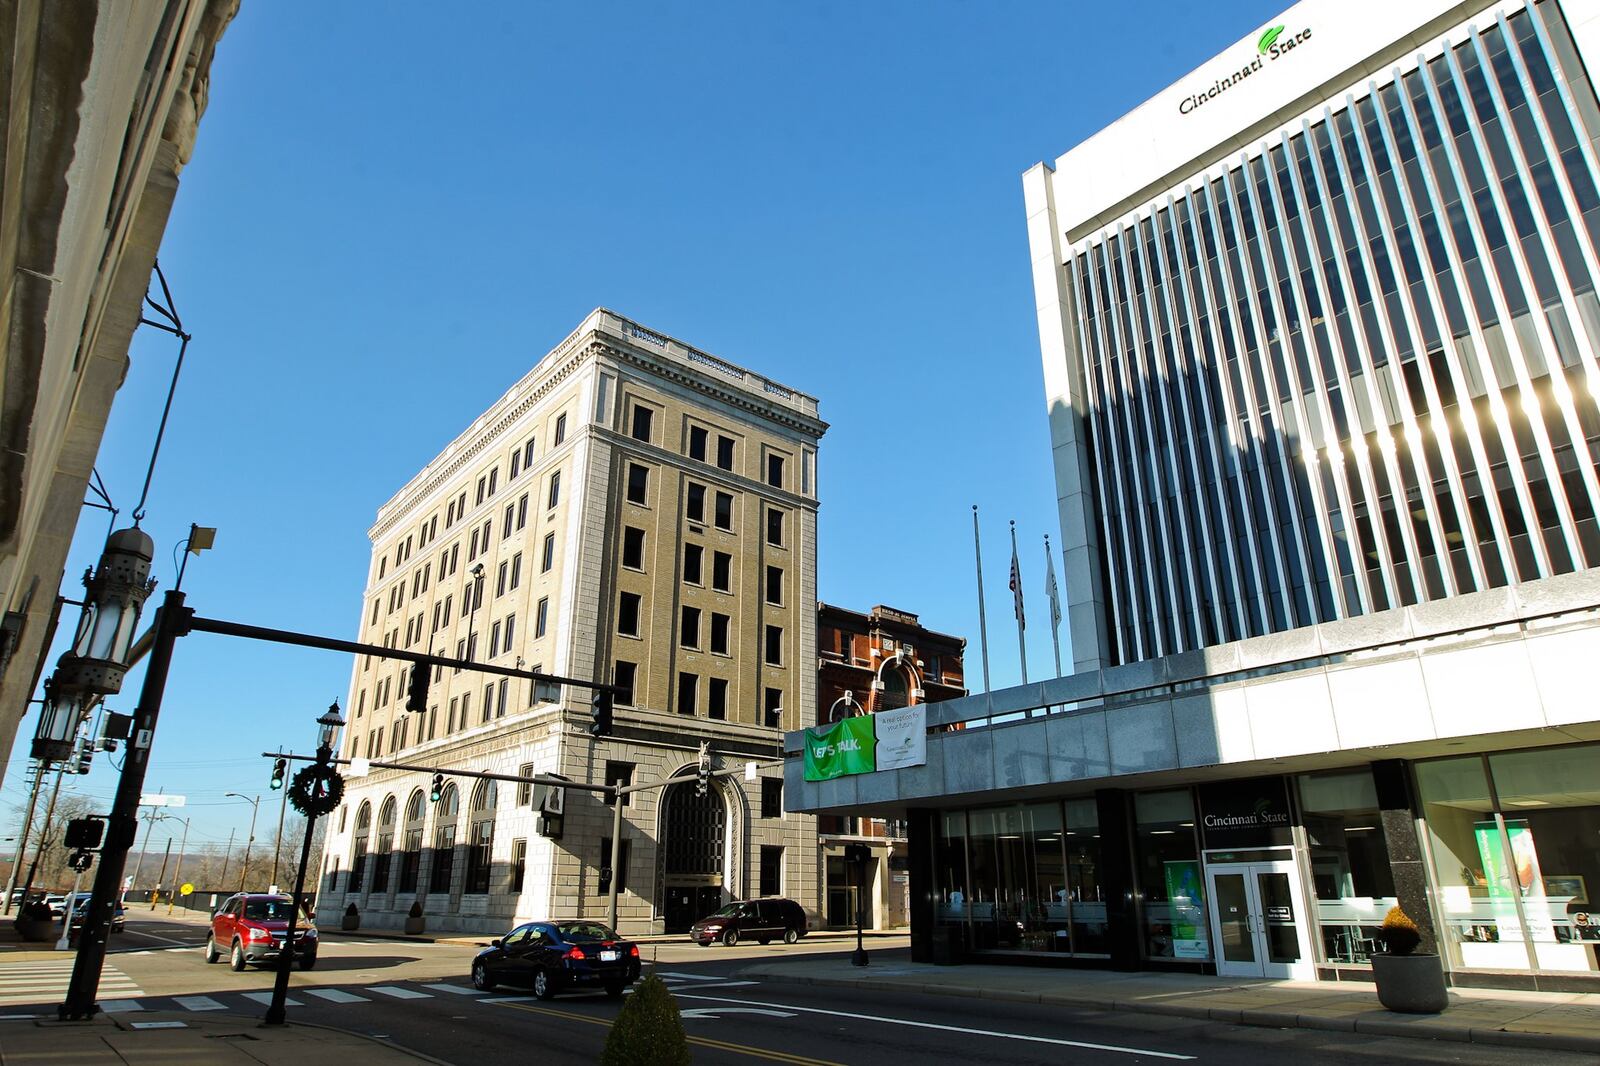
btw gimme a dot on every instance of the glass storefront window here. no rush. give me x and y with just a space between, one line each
1550 805
1081 834
1350 870
1173 906
950 868
1473 880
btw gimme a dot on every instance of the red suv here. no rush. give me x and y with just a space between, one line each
251 928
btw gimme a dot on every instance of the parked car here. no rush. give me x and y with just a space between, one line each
251 927
80 905
761 920
58 905
551 957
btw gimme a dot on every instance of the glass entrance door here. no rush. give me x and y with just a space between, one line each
1259 920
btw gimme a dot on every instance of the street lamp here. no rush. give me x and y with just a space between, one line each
255 807
319 794
96 664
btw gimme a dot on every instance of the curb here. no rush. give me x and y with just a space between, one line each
1386 1025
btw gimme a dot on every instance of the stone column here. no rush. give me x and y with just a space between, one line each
1397 812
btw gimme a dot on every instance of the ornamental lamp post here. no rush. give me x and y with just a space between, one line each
315 791
96 664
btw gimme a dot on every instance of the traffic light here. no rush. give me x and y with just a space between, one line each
438 788
417 689
279 769
702 771
85 758
600 713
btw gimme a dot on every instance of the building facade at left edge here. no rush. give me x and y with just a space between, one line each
104 98
635 512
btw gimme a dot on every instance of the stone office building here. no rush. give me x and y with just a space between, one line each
633 510
1321 350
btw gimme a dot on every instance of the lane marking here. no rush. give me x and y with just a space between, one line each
701 1041
335 995
673 974
397 992
198 1003
265 999
713 1013
460 990
1056 1041
163 939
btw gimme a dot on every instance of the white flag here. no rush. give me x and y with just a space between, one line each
1016 585
1050 586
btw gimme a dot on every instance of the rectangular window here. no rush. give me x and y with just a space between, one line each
697 443
519 864
509 523
488 533
505 692
725 452
719 633
641 423
494 640
775 528
522 511
502 574
450 721
622 680
772 797
724 510
772 708
774 647
527 453
775 471
722 571
775 585
511 630
488 701
524 789
695 503
619 774
516 570
638 483
603 884
771 870
472 552
689 628
633 548
478 858
554 495
547 557
693 554
716 698
516 466
688 690
483 483
410 860
494 478
561 428
628 614
541 617
444 859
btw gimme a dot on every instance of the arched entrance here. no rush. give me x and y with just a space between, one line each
693 847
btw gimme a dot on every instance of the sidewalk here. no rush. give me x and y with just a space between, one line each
1543 1020
825 935
179 1039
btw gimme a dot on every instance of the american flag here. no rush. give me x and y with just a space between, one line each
1016 586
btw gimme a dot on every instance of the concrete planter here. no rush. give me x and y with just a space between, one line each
1410 984
351 919
414 926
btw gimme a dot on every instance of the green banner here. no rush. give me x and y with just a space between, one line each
845 747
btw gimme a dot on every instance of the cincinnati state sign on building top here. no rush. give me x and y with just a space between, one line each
1273 45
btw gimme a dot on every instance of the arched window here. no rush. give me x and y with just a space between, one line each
481 840
444 839
383 857
358 850
411 854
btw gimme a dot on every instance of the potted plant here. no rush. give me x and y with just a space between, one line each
34 922
352 918
414 921
1408 983
648 1030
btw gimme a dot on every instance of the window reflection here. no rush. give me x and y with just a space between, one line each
1350 869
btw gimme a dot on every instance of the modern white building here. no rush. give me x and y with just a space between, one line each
633 511
1322 351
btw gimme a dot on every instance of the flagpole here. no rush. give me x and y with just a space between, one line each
1016 587
1055 602
983 627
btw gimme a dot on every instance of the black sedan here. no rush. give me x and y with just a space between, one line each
551 957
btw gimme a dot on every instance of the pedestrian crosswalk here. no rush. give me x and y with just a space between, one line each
46 981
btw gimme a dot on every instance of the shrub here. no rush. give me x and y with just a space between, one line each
1400 932
648 1031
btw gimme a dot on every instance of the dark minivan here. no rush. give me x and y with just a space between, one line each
761 920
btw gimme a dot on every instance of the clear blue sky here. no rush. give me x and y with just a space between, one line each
393 211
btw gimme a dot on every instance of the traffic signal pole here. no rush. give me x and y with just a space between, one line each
172 621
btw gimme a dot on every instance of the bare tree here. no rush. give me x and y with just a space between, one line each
294 836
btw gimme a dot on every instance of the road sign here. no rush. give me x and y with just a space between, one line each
185 889
359 767
161 800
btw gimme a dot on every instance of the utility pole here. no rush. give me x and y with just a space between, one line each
155 897
177 873
37 768
277 843
44 832
227 855
150 824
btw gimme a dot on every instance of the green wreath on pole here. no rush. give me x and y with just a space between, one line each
316 790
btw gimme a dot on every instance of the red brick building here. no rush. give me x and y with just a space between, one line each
880 660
